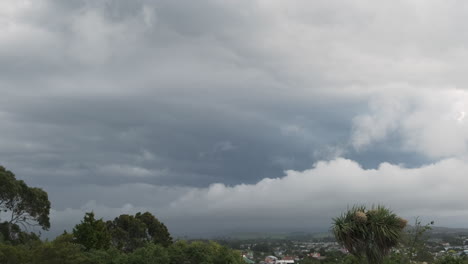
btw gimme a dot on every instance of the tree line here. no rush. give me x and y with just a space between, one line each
127 239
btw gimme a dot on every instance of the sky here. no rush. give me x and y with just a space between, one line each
237 115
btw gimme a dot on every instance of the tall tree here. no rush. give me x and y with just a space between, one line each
156 231
127 233
22 205
369 234
131 232
92 233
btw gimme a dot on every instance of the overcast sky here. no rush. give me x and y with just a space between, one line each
237 115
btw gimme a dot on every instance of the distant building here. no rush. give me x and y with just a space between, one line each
271 259
285 260
275 260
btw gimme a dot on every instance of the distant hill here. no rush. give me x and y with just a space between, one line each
276 235
449 230
436 231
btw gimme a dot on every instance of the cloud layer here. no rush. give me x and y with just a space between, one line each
195 110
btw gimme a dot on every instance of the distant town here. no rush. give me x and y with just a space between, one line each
322 247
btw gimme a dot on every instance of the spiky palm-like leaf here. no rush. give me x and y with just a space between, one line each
368 234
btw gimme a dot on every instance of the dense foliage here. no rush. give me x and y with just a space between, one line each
92 233
64 251
130 232
21 206
128 239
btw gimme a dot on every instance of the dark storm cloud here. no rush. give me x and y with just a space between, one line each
84 134
159 100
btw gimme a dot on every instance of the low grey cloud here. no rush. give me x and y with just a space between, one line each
197 109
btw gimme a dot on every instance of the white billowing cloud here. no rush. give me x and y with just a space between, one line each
383 119
309 199
431 122
333 185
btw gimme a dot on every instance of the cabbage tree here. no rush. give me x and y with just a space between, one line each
368 234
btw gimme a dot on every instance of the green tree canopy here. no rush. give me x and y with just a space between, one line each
156 231
21 205
130 232
150 254
450 260
13 234
92 233
203 253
